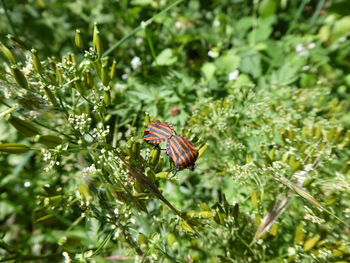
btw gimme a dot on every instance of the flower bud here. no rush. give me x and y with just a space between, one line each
155 153
113 69
17 42
13 148
80 87
50 96
23 126
107 97
7 53
201 151
78 39
36 62
104 74
97 41
89 80
50 141
19 77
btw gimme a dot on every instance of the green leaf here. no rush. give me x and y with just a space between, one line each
166 57
227 62
209 70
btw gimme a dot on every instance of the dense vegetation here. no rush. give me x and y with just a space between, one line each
260 87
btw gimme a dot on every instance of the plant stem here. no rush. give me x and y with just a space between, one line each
9 18
137 29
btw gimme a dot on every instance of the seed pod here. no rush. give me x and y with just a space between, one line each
18 42
89 80
69 242
318 132
135 150
13 148
205 214
255 198
36 61
23 126
185 226
150 174
84 191
311 242
346 139
337 135
274 229
192 214
299 234
104 74
97 41
19 77
155 153
172 241
113 69
80 87
7 53
53 200
285 157
50 96
107 97
59 76
162 175
147 119
50 141
202 149
78 39
142 241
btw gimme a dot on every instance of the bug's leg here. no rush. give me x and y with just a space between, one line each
176 169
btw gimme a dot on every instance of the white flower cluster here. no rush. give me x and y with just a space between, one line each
48 157
100 133
136 63
81 122
304 50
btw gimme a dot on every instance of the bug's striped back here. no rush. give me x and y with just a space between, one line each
182 151
158 131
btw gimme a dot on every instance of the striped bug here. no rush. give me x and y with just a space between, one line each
179 148
158 131
182 151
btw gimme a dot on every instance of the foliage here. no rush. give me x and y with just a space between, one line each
261 88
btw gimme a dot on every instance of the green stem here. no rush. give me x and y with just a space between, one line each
317 12
9 18
137 29
297 16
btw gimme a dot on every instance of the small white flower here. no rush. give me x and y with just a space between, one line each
66 257
305 68
303 53
233 75
26 184
139 41
216 23
205 90
299 48
213 54
125 76
178 25
136 63
311 46
120 86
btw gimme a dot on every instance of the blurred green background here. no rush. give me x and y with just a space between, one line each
264 84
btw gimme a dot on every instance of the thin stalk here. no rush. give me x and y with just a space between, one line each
317 12
9 18
137 29
297 16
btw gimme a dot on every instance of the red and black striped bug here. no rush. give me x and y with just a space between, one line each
158 131
182 151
